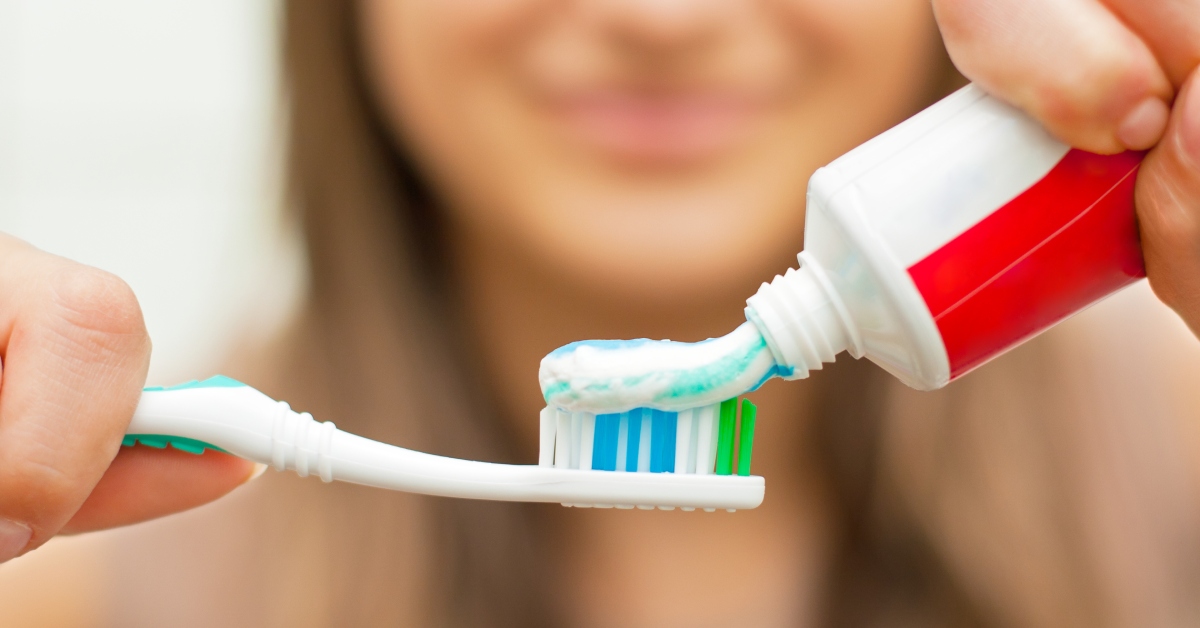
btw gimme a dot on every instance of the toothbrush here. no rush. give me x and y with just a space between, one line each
643 458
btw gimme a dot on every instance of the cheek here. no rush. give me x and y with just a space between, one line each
439 71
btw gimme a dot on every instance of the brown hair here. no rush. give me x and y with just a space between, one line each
381 357
375 348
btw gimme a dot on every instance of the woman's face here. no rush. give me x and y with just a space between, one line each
644 148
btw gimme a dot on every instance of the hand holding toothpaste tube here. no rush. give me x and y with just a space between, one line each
1105 77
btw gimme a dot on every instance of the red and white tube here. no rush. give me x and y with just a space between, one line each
948 240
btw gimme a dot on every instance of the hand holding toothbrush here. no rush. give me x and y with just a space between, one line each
1105 76
74 356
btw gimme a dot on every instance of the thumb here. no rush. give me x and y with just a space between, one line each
1168 204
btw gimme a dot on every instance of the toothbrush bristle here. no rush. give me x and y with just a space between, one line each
699 441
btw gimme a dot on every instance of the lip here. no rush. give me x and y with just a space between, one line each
658 128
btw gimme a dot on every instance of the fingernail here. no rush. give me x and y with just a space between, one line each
1143 126
258 470
13 539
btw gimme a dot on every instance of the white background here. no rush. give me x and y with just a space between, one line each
143 137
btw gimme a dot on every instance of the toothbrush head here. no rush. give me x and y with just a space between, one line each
695 458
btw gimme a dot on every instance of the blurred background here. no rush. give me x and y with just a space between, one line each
143 137
146 138
134 130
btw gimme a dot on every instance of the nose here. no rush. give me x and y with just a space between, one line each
660 26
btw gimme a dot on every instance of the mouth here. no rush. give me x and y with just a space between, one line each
647 129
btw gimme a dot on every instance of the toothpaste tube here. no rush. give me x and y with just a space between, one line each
948 240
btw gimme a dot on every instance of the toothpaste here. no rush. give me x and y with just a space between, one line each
604 376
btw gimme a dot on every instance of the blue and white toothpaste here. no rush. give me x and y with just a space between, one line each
620 375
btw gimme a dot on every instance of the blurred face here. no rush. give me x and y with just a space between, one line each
645 148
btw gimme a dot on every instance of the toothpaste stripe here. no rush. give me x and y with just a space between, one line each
616 376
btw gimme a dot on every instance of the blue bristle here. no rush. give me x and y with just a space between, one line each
635 439
604 451
662 441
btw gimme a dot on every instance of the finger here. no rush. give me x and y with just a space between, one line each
75 358
1071 64
1168 202
143 483
1170 27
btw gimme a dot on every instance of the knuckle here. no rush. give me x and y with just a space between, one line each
96 300
1084 100
97 308
33 482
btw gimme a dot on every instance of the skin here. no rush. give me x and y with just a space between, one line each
75 353
1105 76
620 169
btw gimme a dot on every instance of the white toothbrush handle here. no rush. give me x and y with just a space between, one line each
251 425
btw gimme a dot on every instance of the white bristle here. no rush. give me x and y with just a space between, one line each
576 438
643 463
562 440
587 439
683 440
714 437
549 422
693 442
704 440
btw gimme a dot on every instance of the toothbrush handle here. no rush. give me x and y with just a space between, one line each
227 415
217 413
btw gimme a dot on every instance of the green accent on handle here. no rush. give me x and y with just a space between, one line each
216 381
160 441
725 437
746 439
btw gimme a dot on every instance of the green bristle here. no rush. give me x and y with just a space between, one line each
725 437
746 439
